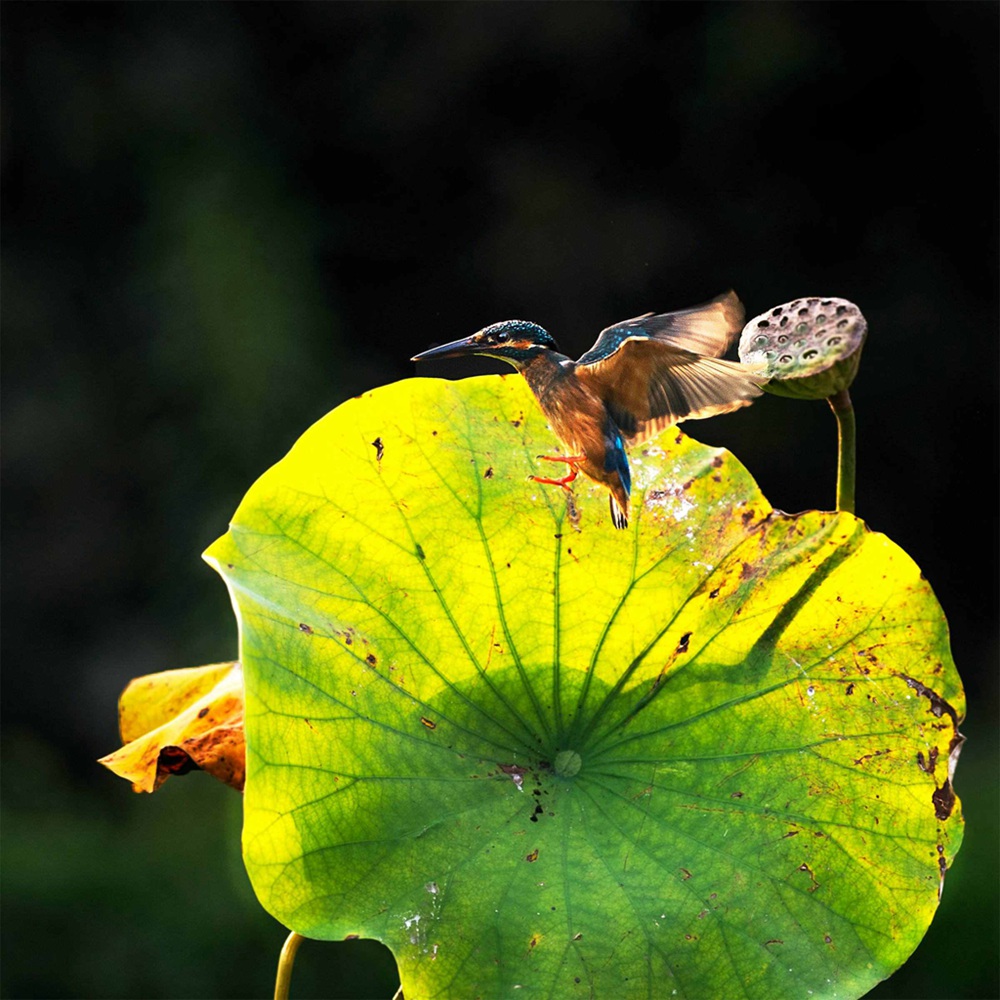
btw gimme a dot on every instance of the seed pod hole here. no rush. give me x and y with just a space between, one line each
784 359
833 341
810 354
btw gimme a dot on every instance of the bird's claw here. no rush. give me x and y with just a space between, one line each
564 482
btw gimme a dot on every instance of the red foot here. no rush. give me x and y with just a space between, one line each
570 460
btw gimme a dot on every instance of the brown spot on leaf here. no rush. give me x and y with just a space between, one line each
686 876
429 723
812 878
533 856
219 751
927 765
203 712
516 773
488 474
379 449
371 658
303 627
173 760
850 688
944 800
683 644
939 706
714 593
716 462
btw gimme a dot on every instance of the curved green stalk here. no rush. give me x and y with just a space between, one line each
843 410
285 963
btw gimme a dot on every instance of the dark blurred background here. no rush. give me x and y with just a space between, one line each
221 220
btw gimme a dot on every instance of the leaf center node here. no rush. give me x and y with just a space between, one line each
568 763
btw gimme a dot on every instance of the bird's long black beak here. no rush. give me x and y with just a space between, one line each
457 348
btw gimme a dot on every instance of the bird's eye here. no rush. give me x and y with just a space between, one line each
500 337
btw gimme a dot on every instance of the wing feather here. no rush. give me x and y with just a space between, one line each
708 329
655 370
651 385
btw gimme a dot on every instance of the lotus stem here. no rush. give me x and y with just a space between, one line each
840 403
285 963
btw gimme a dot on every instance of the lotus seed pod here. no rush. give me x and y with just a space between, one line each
812 347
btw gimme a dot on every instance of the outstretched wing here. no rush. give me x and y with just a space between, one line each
707 329
652 371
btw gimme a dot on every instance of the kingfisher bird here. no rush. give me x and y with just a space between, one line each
641 375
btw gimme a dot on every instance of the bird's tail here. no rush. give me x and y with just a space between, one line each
619 515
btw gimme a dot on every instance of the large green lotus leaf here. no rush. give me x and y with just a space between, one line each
705 757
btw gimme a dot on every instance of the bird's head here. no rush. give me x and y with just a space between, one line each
515 341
